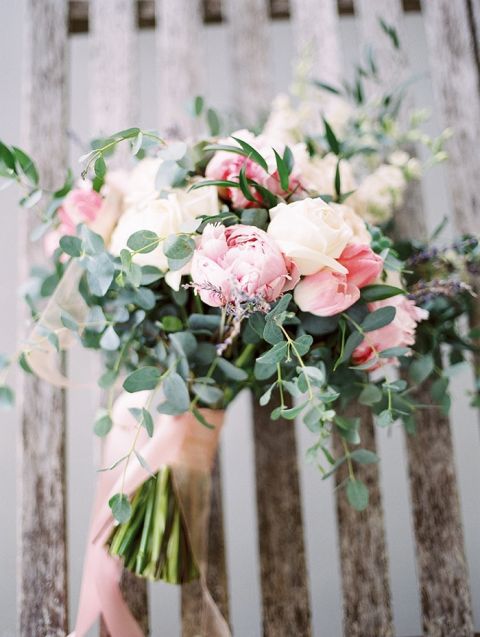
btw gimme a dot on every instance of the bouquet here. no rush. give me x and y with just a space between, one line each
211 266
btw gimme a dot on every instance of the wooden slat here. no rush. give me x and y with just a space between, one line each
284 581
180 63
212 12
249 51
316 26
42 549
114 106
363 551
442 567
444 588
216 565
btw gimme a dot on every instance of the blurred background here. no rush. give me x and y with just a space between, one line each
237 451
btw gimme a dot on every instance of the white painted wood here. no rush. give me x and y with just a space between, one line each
249 48
456 79
42 545
180 63
317 42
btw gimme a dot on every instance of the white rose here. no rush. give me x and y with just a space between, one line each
317 174
379 194
310 232
140 187
284 124
177 213
357 225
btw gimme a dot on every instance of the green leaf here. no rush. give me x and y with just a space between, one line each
169 175
178 248
204 323
102 425
379 292
364 456
100 273
31 200
144 418
198 104
379 318
220 183
255 217
244 186
421 368
331 138
143 241
370 395
142 379
93 243
176 392
100 167
120 506
110 340
7 397
26 165
302 344
274 355
232 371
385 418
394 351
252 153
171 323
107 379
357 494
174 151
282 170
208 394
213 122
68 321
288 159
71 245
201 418
326 87
352 342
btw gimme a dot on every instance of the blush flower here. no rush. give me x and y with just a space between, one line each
399 333
79 206
328 292
240 264
227 166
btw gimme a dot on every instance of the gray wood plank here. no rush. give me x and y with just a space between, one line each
367 608
283 570
42 542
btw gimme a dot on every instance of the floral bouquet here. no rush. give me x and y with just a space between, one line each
212 266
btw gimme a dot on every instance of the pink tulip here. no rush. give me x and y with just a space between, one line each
327 293
399 333
240 264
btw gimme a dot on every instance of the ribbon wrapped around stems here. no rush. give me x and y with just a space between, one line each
188 449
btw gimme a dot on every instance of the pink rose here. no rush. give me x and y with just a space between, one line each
399 333
227 166
79 206
240 264
327 292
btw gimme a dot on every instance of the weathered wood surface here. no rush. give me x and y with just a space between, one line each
316 36
284 581
180 63
445 600
249 50
42 543
114 106
442 567
363 551
216 565
212 11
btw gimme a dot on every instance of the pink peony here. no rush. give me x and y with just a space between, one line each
79 206
399 333
327 292
238 264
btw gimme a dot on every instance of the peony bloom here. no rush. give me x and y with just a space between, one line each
238 264
227 166
79 206
327 293
399 333
379 194
172 215
312 233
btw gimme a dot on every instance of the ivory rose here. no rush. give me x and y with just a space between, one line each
399 333
379 194
317 174
360 233
239 264
227 166
327 293
81 205
312 233
171 215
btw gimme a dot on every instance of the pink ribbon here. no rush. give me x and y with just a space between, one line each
178 441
